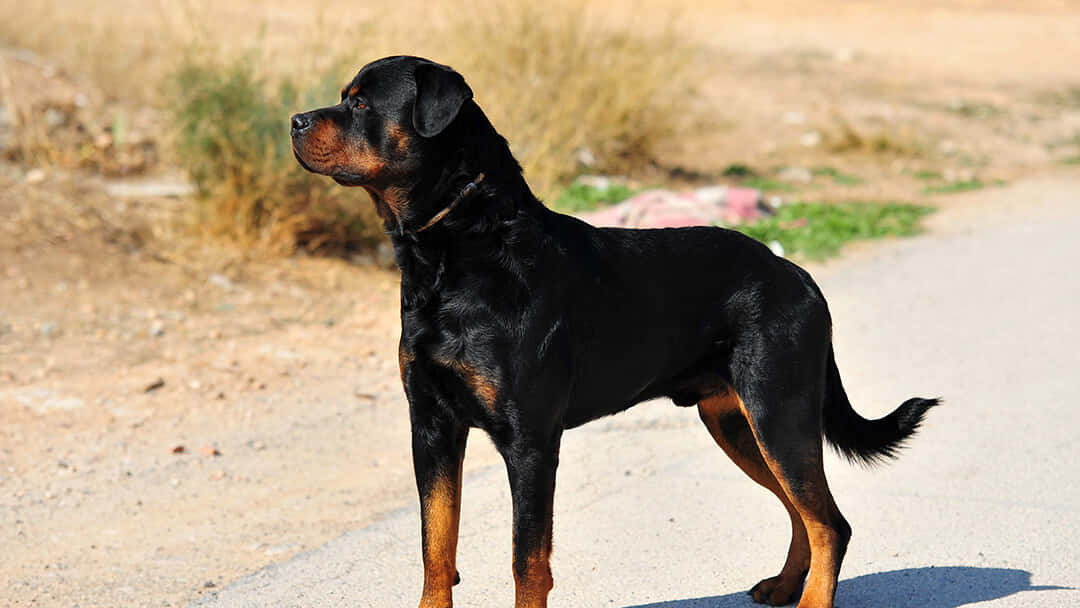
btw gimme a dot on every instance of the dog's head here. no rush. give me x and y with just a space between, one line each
385 130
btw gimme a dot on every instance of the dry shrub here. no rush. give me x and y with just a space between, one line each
47 118
233 139
573 91
569 92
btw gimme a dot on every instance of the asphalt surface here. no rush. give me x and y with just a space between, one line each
982 509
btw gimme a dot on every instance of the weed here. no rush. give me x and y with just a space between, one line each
842 179
1071 160
577 197
963 185
927 174
768 184
738 170
553 82
561 86
976 110
819 230
232 138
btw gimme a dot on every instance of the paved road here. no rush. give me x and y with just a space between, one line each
984 508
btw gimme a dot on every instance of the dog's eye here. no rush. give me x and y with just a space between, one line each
359 104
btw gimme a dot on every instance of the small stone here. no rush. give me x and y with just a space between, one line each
208 450
178 449
258 446
585 157
155 385
794 118
810 139
174 482
157 328
217 475
55 117
221 281
49 329
800 175
209 585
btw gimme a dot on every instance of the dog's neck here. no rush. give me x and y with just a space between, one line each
491 223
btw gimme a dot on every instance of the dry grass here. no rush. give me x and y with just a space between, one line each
571 92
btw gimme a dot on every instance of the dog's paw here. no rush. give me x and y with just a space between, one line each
776 591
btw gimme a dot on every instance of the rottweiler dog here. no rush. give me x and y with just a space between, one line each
524 322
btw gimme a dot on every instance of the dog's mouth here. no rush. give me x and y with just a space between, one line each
343 178
300 159
347 179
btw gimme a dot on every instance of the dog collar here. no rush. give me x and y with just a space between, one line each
467 191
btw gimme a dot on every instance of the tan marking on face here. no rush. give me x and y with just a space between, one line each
361 159
321 148
354 91
442 506
399 138
396 199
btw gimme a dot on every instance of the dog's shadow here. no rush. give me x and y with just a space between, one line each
946 587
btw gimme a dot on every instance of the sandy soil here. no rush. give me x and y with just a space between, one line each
176 414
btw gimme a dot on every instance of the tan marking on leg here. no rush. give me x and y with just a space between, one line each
742 448
483 386
823 540
443 508
532 587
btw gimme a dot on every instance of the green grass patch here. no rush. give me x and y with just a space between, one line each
1072 160
838 177
927 174
738 170
964 185
819 230
577 198
768 184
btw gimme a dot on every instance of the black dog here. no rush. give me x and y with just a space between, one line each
523 322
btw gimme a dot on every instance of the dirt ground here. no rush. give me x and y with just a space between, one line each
177 413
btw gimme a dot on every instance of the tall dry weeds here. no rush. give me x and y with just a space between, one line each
571 90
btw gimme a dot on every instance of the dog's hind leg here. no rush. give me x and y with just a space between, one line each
781 397
723 416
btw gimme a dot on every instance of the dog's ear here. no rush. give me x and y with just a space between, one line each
440 92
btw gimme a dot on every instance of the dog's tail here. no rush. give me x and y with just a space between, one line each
867 441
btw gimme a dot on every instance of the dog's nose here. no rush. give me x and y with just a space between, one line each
300 123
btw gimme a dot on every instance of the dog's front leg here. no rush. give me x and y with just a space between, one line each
531 466
438 449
